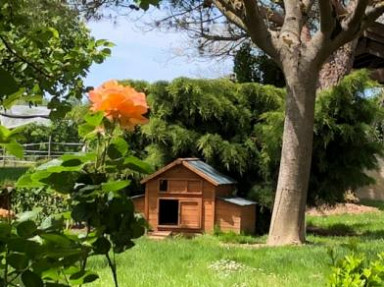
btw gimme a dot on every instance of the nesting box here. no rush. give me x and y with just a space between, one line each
189 195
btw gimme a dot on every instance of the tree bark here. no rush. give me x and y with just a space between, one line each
338 65
288 217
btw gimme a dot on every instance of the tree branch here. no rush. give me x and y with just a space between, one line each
257 29
293 20
229 13
359 18
25 60
358 11
213 37
372 13
272 16
327 17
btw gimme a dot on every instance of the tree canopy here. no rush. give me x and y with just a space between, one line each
252 65
238 129
45 49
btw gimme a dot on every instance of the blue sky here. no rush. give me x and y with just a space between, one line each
147 56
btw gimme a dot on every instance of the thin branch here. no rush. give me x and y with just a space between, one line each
112 266
182 13
212 37
13 52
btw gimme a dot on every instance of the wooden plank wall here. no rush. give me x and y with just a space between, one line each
183 184
228 216
180 172
248 219
139 203
152 199
225 190
208 207
190 214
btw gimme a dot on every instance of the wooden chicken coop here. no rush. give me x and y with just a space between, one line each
189 195
370 51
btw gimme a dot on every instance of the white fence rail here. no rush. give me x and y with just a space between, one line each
34 152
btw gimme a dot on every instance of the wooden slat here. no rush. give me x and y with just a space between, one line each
227 216
139 204
194 186
189 214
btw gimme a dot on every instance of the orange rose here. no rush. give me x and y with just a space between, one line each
123 104
5 213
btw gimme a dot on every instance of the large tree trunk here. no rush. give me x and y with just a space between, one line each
288 218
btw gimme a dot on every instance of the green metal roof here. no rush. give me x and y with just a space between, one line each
209 171
238 201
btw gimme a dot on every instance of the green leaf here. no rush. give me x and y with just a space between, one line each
62 182
144 4
81 212
57 239
101 245
94 119
8 84
58 108
118 148
28 215
138 165
26 229
18 261
83 277
104 42
11 99
15 149
113 186
31 279
85 130
107 51
87 157
51 163
48 284
4 134
26 181
28 246
5 230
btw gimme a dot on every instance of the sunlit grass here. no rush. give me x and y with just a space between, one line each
207 261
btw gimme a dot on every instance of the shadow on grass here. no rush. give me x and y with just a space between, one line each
374 203
372 235
338 229
344 230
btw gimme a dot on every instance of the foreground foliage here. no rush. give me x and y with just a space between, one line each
354 270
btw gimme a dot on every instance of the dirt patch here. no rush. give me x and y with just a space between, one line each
351 208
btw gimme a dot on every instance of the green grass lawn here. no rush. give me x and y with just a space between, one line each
206 261
9 175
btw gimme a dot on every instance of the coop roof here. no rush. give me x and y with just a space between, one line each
137 196
200 168
238 201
